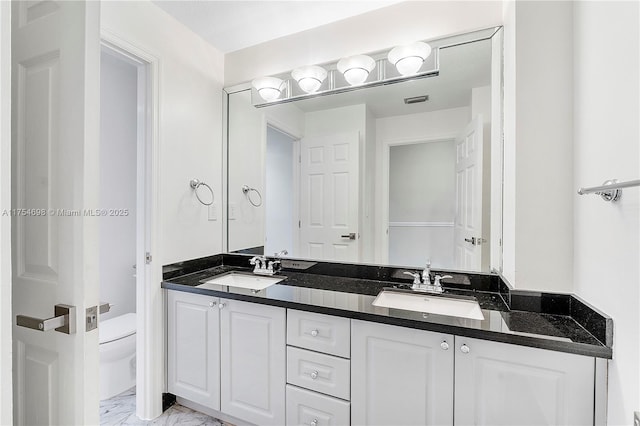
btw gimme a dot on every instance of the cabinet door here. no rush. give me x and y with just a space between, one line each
253 362
400 376
501 384
193 357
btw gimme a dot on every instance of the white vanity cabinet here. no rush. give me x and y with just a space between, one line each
228 356
502 384
193 357
253 362
265 365
400 376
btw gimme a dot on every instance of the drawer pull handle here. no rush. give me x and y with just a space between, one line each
314 422
314 375
314 333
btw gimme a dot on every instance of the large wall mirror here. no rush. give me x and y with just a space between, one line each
393 174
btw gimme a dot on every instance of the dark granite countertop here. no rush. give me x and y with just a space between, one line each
353 297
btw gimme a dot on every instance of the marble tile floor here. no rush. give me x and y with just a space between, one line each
121 410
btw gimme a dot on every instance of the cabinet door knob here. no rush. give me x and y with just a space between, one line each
314 333
212 304
314 375
444 345
465 349
221 305
314 422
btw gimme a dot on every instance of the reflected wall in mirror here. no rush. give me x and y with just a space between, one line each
394 174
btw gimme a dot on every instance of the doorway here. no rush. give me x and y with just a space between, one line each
421 211
136 125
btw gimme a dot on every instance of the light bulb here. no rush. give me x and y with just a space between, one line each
309 78
269 88
356 68
409 58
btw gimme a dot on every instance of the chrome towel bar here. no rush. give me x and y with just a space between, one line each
610 190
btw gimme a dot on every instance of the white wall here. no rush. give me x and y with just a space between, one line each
430 198
247 135
383 28
246 151
538 206
606 145
190 92
6 317
279 193
118 145
189 132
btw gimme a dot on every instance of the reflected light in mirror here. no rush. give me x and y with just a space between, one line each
409 58
309 78
269 88
356 68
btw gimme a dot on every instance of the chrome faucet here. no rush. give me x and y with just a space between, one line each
260 264
426 273
422 281
265 266
276 264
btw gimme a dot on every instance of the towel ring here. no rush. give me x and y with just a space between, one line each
246 190
195 184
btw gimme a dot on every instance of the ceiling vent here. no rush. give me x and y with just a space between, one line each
416 99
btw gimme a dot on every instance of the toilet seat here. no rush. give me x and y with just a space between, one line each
117 328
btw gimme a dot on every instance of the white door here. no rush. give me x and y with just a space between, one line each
252 362
400 376
467 232
193 346
55 120
506 385
329 197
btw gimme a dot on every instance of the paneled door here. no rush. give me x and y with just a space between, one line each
253 362
55 137
329 197
467 231
498 384
400 376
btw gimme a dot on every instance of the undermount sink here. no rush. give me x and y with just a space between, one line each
421 302
240 280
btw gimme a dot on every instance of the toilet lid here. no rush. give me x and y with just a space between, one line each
117 327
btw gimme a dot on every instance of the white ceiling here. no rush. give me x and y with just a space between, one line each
234 25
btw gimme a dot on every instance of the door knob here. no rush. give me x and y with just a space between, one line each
351 236
465 349
64 320
471 240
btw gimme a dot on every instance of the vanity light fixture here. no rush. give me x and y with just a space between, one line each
309 78
269 88
356 68
409 58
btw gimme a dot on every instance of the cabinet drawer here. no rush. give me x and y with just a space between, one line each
305 408
318 332
319 372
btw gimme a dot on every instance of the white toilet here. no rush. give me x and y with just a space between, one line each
117 355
